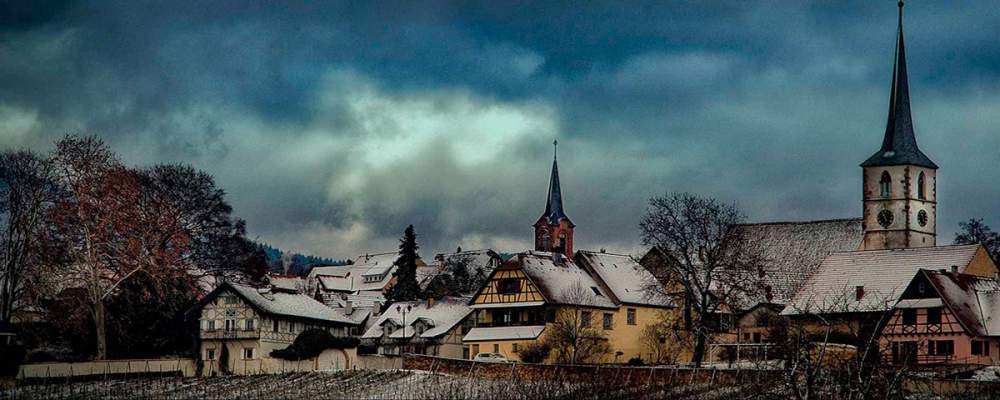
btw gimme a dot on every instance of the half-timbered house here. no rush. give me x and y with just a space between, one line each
945 316
240 325
525 296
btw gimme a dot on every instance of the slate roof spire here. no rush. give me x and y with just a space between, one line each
899 146
553 205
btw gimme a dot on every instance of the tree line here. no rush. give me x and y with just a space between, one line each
114 253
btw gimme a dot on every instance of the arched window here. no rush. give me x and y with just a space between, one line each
885 184
545 239
921 187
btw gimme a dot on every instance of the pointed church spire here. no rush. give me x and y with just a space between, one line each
899 146
553 204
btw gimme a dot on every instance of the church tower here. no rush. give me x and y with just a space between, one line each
554 230
900 196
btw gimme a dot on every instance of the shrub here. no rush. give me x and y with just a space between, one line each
311 343
636 361
535 352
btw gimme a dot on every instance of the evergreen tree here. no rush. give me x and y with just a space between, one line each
406 287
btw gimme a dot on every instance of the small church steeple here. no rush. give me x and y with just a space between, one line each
900 181
554 230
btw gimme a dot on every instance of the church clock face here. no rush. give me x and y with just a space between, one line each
922 218
885 218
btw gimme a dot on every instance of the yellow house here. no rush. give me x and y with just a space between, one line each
529 298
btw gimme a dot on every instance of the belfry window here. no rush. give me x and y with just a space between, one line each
885 184
921 187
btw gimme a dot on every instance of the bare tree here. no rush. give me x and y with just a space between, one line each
665 341
573 336
26 191
830 346
715 265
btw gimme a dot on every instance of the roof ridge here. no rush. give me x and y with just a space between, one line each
931 248
801 222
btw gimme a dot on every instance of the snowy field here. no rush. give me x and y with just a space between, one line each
364 384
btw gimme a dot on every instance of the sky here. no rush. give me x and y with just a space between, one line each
332 126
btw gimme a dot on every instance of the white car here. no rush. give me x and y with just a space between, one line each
491 358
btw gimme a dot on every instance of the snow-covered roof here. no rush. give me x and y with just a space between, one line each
445 314
974 300
286 283
881 274
478 264
919 303
530 332
627 280
794 250
287 304
558 281
370 272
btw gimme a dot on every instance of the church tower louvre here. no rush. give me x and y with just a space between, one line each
900 181
554 230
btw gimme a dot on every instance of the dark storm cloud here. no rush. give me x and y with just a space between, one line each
333 126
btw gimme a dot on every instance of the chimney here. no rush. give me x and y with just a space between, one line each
348 307
954 269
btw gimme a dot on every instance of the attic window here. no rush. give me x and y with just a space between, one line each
596 292
921 288
859 293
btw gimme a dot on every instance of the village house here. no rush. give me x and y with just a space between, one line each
944 316
239 325
430 327
369 273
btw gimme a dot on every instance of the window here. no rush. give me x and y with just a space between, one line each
608 321
584 319
230 325
934 316
248 353
465 352
630 316
496 347
210 354
885 184
756 337
249 324
921 191
275 325
509 286
210 325
940 348
921 288
228 300
859 293
909 316
980 348
746 337
550 315
355 331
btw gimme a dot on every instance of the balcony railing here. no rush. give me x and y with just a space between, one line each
230 334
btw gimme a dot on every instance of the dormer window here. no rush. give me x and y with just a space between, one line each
885 184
